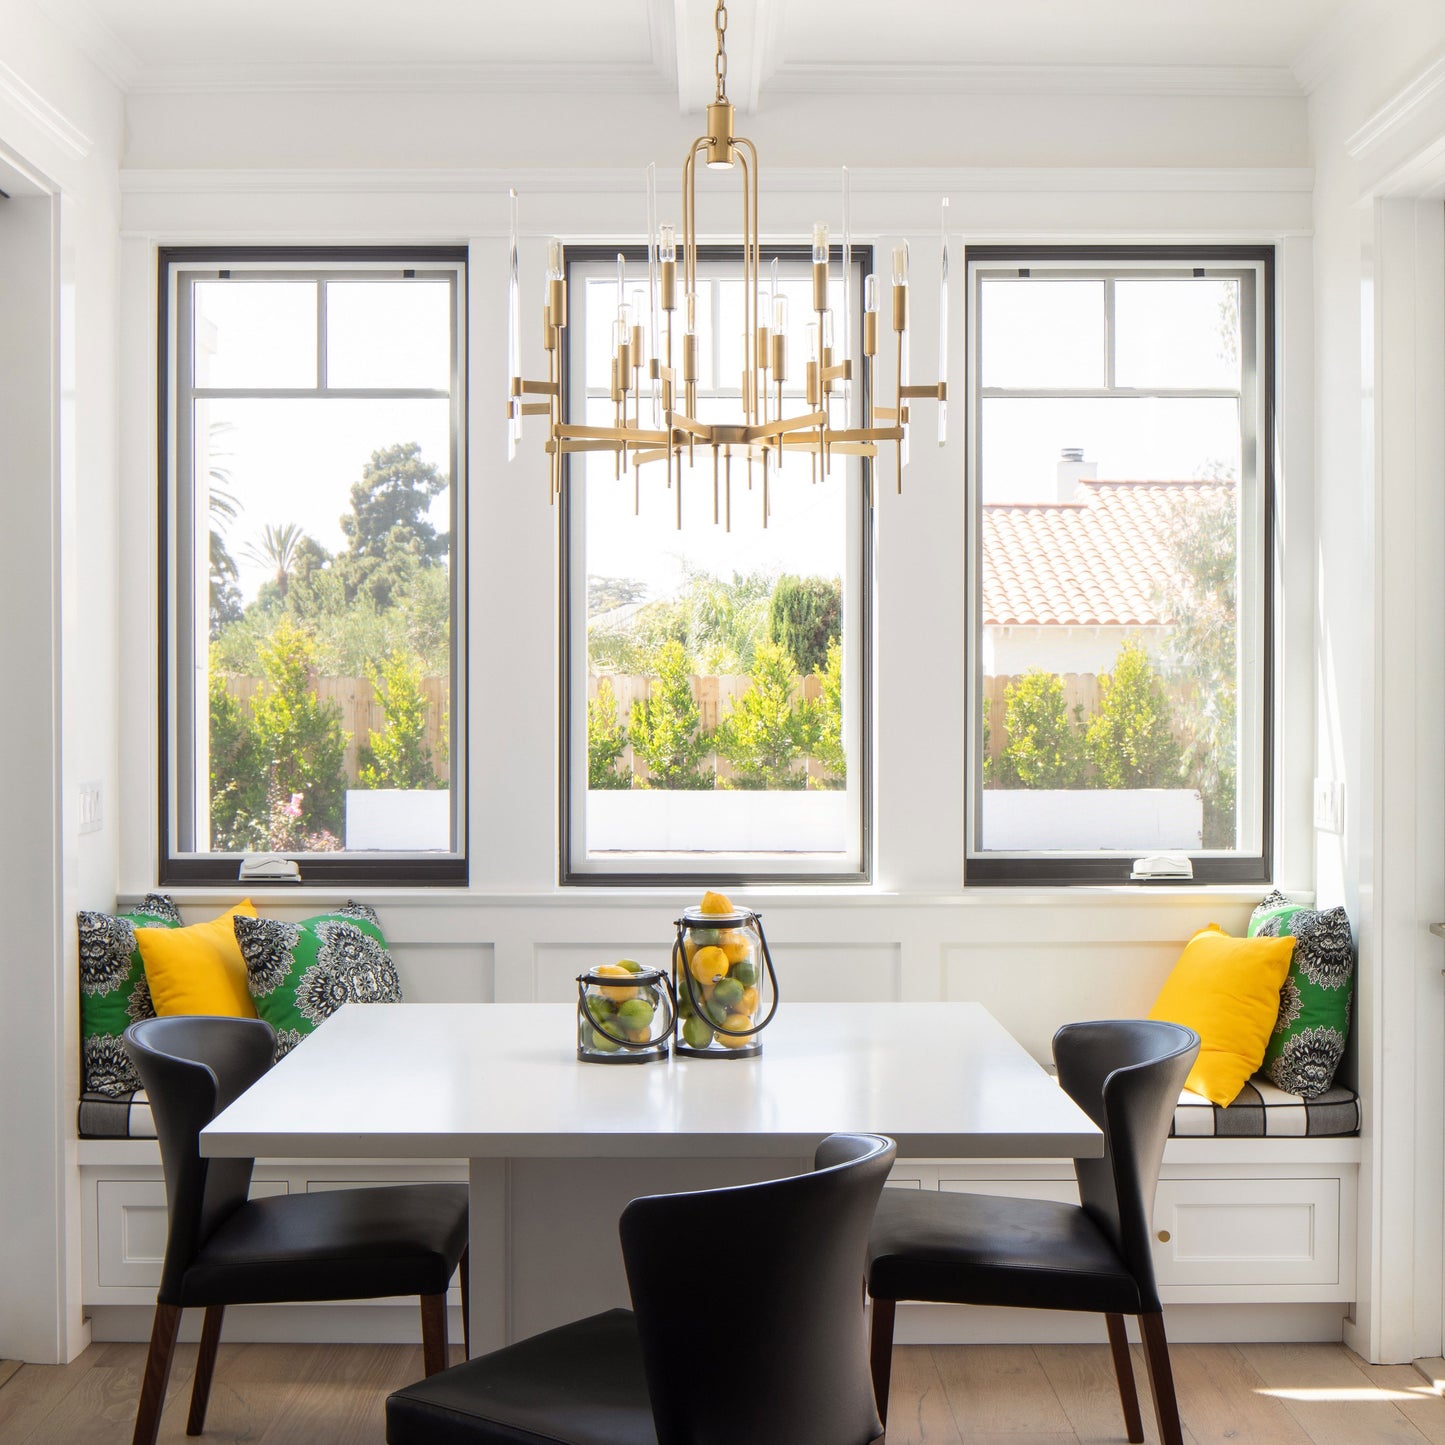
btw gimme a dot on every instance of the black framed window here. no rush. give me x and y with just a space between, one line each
1120 489
716 676
312 477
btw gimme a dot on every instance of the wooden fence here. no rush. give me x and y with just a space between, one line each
362 714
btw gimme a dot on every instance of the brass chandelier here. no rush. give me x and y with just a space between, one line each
644 360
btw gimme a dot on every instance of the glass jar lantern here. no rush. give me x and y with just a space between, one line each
624 1014
725 986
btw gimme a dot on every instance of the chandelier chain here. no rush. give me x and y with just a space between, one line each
720 24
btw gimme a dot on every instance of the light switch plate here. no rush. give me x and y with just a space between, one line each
90 814
1329 805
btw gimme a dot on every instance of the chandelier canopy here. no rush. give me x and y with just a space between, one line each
645 360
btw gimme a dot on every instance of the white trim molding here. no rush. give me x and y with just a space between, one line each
73 141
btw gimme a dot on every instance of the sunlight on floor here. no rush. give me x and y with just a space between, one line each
1341 1395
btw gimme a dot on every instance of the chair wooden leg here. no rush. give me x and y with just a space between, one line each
1124 1372
880 1352
205 1365
1161 1379
157 1374
434 1332
465 1269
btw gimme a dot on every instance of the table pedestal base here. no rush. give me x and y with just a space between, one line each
544 1246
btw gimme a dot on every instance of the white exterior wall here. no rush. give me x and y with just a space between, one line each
1009 651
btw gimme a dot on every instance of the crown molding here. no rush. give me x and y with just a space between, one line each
1398 112
371 79
960 180
97 41
70 138
947 79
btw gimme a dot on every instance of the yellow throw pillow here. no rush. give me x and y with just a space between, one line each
198 970
1227 990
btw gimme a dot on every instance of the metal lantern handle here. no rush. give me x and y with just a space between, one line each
668 1004
699 1006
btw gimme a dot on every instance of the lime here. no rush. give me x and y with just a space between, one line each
684 1003
602 1008
630 964
746 973
704 937
603 1044
637 1013
696 1034
727 991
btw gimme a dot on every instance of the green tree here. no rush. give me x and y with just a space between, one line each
297 734
828 746
606 593
1042 749
388 534
238 774
765 735
398 756
277 548
606 740
1131 737
1199 595
666 728
805 614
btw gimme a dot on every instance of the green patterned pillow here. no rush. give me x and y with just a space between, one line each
301 973
1314 1004
113 990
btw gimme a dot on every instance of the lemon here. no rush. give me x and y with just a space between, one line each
639 1036
736 944
746 973
749 1004
715 903
614 970
735 1022
708 964
696 1034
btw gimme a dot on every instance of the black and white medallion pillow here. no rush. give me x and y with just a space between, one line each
113 990
301 973
1313 1026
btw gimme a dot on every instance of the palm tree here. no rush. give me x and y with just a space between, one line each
277 548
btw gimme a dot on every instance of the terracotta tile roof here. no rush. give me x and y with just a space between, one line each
1090 562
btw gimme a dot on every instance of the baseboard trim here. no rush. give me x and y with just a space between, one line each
369 1324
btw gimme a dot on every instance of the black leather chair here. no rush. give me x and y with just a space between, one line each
749 1327
223 1249
979 1249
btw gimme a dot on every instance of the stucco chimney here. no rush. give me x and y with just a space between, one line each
1073 469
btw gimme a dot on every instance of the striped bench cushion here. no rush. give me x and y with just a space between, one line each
1263 1111
116 1116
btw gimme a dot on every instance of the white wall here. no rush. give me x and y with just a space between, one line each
1380 326
60 125
434 167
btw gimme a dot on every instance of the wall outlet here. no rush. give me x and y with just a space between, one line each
1329 805
90 815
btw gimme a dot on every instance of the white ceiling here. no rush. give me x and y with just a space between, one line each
840 45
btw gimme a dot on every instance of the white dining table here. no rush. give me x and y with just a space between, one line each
556 1147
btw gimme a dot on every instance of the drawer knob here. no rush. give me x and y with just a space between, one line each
1163 1236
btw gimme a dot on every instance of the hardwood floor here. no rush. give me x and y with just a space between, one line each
942 1395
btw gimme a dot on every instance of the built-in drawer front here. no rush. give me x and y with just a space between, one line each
131 1216
1247 1231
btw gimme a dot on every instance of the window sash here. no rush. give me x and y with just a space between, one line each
1253 268
660 868
184 601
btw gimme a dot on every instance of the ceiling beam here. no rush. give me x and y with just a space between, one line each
754 29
